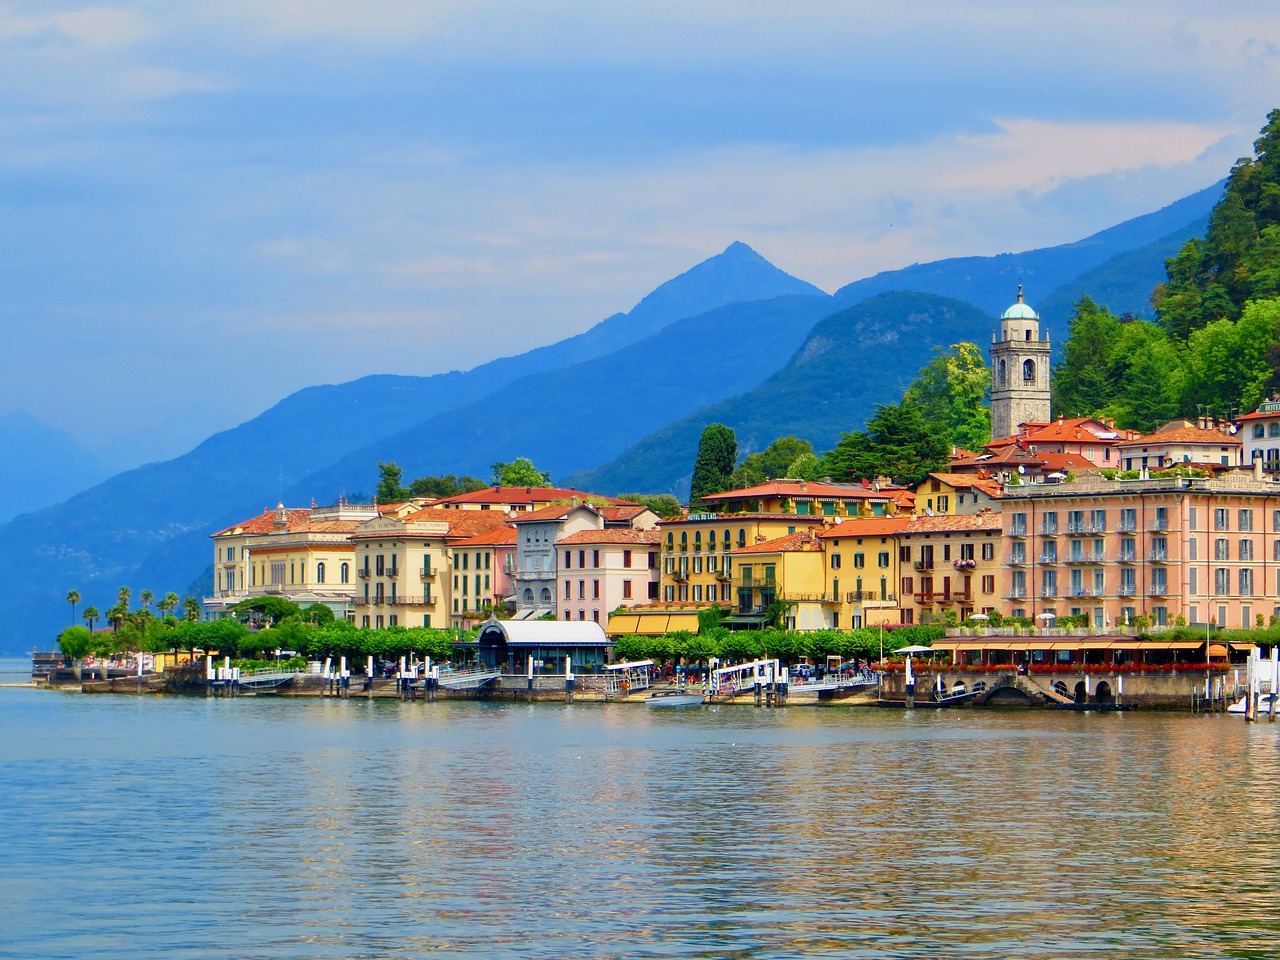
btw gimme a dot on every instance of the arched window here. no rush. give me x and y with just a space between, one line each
1004 374
320 572
1028 369
684 542
544 596
345 573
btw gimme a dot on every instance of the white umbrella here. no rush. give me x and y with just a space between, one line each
1047 616
979 616
915 648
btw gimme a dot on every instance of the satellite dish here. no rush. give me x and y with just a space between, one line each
1022 469
1235 428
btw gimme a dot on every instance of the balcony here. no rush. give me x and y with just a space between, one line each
1048 530
1048 558
923 565
363 573
1159 526
1017 593
1076 528
724 576
377 601
1084 592
392 572
925 597
1158 590
757 583
1159 556
1127 556
680 576
1128 590
1016 560
1127 526
425 600
273 588
1018 530
1048 593
428 573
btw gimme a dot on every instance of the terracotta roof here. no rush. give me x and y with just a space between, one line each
612 535
1210 437
802 541
615 514
740 517
1075 430
524 495
461 523
865 527
950 523
798 488
296 518
991 488
501 537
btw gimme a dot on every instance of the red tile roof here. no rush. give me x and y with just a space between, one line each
611 535
524 495
865 527
951 523
1210 437
961 481
802 541
504 536
799 488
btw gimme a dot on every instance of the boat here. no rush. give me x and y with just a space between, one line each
1264 704
676 698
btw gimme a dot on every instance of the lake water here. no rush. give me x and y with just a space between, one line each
259 827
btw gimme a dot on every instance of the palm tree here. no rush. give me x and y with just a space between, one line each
146 596
124 599
192 606
90 615
116 614
166 605
73 597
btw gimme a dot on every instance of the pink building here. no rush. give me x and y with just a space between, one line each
601 570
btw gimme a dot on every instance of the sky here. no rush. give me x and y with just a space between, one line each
205 206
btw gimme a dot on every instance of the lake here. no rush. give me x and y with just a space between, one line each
260 827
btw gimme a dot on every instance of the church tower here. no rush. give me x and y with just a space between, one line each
1019 371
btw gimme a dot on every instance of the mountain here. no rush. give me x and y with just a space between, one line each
849 362
567 419
991 282
44 465
1122 284
142 523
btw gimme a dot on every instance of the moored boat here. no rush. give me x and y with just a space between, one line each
676 698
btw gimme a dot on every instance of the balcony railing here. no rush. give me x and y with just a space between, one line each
425 600
1159 556
1159 526
724 576
1158 590
1016 593
392 572
862 596
363 573
679 575
1128 590
1127 526
1128 556
748 583
923 565
1048 529
1076 527
1018 530
1048 558
428 573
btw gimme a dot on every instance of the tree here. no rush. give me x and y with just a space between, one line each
167 605
1085 380
192 608
950 393
771 463
663 504
717 454
897 443
445 486
90 616
73 597
146 596
389 489
519 473
124 600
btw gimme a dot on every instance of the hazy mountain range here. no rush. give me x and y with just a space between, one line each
617 408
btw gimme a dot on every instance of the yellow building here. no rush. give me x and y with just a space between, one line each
304 555
951 493
790 569
805 498
862 572
949 563
410 574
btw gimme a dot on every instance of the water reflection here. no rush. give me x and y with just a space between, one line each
259 828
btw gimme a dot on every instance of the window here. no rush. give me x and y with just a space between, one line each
626 558
1028 366
883 559
858 561
835 561
320 572
988 551
595 589
568 590
1246 582
1193 583
1246 550
626 589
1049 525
697 593
966 551
1219 519
988 584
1244 519
1259 431
1221 581
1221 549
345 572
582 589
582 558
684 542
568 559
711 592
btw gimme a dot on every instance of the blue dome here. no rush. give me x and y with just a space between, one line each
1019 311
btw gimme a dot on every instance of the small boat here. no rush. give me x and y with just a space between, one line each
676 698
1264 704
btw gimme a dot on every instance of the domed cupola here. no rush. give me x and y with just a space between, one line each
1019 371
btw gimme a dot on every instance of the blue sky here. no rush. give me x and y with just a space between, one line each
205 206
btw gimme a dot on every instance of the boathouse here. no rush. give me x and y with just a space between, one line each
509 645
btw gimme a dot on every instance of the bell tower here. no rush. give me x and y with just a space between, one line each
1019 371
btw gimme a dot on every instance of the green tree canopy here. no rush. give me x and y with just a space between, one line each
717 454
389 488
771 463
897 443
1086 380
75 642
447 485
663 504
950 391
519 473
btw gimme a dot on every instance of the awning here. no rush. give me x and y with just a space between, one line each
620 624
651 624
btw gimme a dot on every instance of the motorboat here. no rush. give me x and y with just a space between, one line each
1241 706
676 698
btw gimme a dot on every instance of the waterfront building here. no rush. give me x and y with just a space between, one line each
1019 371
790 569
950 566
1180 442
1259 435
1170 550
862 572
1014 463
500 545
605 569
535 583
304 555
409 574
806 498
